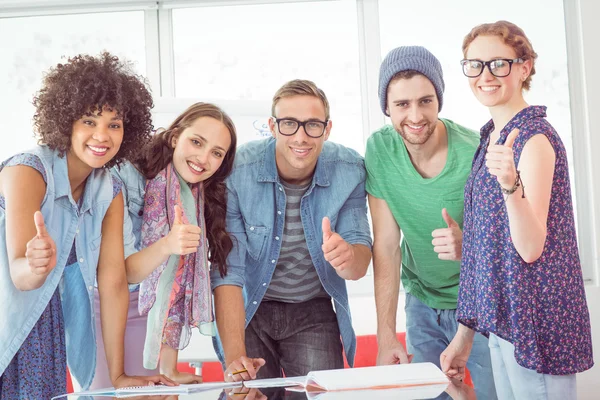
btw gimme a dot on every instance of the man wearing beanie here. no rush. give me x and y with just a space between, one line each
416 172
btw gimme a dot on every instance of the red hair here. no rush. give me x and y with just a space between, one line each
512 36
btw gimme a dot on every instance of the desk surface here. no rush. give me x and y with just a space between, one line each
456 390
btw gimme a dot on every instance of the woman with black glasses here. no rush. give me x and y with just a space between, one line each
521 281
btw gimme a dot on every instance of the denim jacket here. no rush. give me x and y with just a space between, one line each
65 222
256 217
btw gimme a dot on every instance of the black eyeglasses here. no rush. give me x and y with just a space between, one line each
289 126
500 67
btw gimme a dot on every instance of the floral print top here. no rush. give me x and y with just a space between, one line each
539 307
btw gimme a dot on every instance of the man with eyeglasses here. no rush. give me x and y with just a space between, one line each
416 172
297 211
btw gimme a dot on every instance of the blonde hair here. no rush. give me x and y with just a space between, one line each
300 87
512 36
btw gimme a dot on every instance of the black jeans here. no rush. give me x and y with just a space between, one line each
295 338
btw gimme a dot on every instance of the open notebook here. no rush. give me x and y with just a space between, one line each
382 377
405 377
155 390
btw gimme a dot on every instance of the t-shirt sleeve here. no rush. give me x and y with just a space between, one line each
372 185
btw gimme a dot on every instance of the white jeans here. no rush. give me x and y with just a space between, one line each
514 382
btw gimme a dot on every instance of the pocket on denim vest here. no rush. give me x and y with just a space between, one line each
135 207
94 244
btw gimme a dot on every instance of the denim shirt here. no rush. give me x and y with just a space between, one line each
134 190
66 223
256 218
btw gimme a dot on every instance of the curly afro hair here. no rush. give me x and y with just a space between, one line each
86 85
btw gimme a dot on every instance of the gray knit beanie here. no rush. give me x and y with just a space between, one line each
405 58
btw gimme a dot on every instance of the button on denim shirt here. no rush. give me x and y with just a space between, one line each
256 217
65 222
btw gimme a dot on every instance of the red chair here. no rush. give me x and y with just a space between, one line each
211 370
69 382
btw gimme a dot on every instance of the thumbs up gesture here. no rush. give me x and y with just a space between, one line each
500 161
447 242
337 251
183 238
41 250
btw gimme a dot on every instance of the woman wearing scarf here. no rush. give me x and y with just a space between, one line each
176 203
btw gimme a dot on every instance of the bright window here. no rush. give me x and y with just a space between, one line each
441 26
31 45
245 53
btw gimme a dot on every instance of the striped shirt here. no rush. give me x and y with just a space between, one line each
295 278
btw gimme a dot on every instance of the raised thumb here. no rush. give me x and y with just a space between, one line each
40 226
448 219
178 215
510 140
326 227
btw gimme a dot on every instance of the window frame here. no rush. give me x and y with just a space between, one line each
160 73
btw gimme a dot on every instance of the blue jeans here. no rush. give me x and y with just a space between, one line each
429 331
514 382
295 337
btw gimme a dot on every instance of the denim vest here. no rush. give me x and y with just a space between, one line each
66 223
256 218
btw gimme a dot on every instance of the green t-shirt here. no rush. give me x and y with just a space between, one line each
417 203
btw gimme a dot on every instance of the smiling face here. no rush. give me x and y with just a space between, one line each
490 90
412 105
296 156
200 148
96 138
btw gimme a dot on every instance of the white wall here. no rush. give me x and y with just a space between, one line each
589 381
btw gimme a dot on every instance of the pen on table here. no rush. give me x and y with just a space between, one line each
241 371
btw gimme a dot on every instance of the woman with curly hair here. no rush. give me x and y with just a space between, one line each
520 280
61 230
177 204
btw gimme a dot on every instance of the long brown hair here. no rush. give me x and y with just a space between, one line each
159 154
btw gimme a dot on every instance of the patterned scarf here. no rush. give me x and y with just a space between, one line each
176 295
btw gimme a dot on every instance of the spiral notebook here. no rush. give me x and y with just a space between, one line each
154 390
